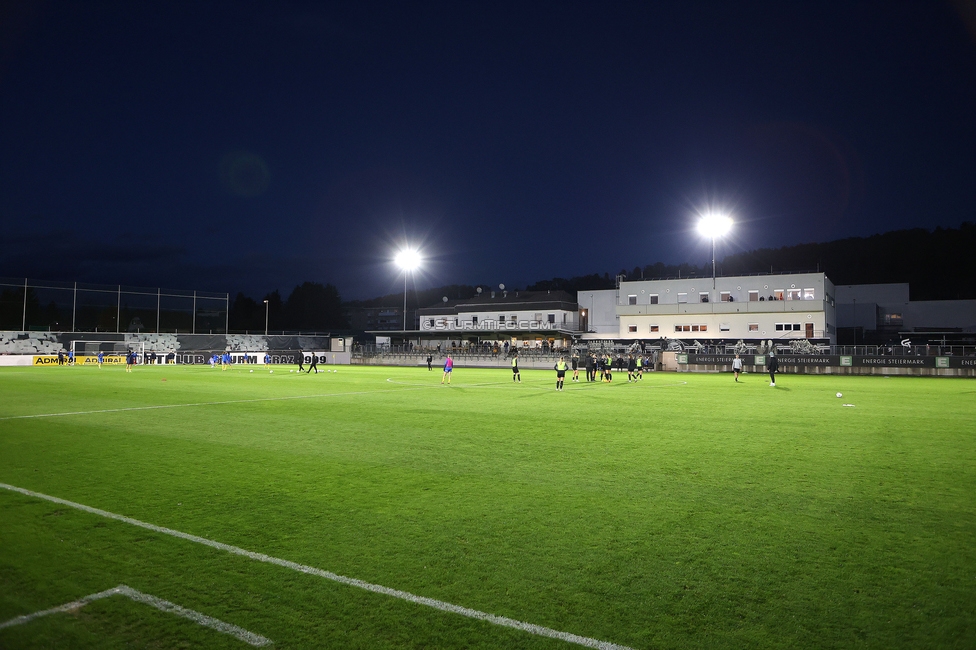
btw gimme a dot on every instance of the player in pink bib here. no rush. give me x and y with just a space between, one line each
448 367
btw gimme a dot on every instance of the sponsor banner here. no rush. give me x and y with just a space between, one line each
489 325
80 359
186 357
202 357
827 360
719 359
957 362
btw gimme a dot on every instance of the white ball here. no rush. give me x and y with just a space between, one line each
840 394
250 371
271 372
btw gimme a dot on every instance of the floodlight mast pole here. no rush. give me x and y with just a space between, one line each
266 317
713 262
407 259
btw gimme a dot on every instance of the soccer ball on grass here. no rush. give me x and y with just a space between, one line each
840 394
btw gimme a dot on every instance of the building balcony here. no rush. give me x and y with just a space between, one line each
763 307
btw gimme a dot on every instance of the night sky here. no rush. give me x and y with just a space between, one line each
250 146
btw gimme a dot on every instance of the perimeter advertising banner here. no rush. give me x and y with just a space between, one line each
189 357
80 360
840 361
277 357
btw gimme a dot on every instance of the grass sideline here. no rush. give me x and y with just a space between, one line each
683 511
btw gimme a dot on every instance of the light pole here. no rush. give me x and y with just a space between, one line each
714 225
266 317
408 260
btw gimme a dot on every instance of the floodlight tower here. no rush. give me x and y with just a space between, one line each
714 225
265 317
408 260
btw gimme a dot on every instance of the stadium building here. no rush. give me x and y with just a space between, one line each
884 314
524 318
778 307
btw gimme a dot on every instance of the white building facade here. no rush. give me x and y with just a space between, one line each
524 317
758 307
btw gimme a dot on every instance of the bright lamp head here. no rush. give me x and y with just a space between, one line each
407 259
714 225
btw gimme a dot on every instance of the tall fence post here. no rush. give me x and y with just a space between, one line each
194 330
118 311
74 307
227 315
158 293
23 322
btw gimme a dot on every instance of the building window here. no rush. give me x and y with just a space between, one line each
726 296
552 318
514 318
655 328
778 294
653 298
703 296
474 320
704 328
501 318
682 297
753 296
677 328
724 327
893 319
632 328
787 327
793 294
753 327
631 300
694 328
808 294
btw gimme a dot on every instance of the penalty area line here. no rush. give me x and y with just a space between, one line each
240 633
503 621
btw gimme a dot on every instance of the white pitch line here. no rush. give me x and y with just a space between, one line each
518 386
531 628
230 401
240 633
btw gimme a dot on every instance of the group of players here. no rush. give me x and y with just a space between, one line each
598 364
602 365
593 365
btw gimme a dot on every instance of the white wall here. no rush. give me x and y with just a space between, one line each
601 311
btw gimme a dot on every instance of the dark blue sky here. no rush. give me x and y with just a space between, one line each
252 146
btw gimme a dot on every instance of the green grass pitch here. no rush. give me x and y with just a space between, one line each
684 511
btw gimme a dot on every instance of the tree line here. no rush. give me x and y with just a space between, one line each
310 306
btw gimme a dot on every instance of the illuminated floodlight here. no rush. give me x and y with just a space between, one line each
714 225
408 259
